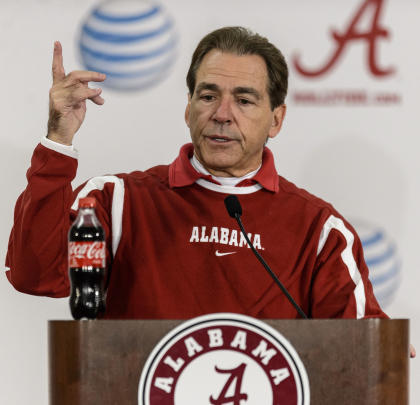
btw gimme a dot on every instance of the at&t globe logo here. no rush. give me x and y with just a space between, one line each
382 259
132 41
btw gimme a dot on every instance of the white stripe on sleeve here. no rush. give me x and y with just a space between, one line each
348 259
98 183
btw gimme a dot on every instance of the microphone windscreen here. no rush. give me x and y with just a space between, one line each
233 206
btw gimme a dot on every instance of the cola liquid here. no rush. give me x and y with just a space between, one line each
87 268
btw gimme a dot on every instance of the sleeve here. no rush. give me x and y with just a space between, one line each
36 260
341 286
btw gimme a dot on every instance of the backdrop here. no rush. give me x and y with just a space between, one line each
350 134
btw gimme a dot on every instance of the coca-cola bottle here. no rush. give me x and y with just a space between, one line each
87 269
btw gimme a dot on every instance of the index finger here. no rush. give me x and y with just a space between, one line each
58 72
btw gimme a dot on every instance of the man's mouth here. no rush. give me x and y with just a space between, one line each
220 138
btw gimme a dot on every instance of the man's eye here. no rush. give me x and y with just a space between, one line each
244 101
207 97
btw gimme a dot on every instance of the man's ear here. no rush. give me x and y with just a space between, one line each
187 111
278 117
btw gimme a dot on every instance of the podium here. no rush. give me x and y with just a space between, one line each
347 361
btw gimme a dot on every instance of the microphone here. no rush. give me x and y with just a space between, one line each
233 206
235 211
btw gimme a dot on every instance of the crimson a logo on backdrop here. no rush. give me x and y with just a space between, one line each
350 35
224 359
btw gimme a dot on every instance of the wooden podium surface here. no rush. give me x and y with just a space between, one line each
348 361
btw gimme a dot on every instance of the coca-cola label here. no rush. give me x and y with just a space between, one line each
86 254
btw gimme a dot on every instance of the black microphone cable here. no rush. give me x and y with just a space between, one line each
235 211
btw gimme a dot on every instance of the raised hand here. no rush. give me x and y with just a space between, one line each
68 96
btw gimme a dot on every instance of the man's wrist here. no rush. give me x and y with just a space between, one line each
53 136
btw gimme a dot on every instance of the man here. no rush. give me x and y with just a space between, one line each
172 249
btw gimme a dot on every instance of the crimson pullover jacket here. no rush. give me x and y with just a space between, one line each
174 252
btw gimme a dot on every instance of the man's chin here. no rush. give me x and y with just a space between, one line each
217 165
220 167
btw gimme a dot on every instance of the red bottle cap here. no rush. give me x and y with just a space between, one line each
87 202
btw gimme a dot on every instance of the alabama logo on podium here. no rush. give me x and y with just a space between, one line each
224 359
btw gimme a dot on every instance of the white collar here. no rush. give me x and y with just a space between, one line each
224 181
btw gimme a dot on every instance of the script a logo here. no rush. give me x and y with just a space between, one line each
371 38
236 375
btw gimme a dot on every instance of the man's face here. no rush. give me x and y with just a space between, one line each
229 115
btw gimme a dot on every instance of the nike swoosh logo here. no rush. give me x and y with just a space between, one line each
224 254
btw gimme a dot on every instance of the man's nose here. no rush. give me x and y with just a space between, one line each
223 113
